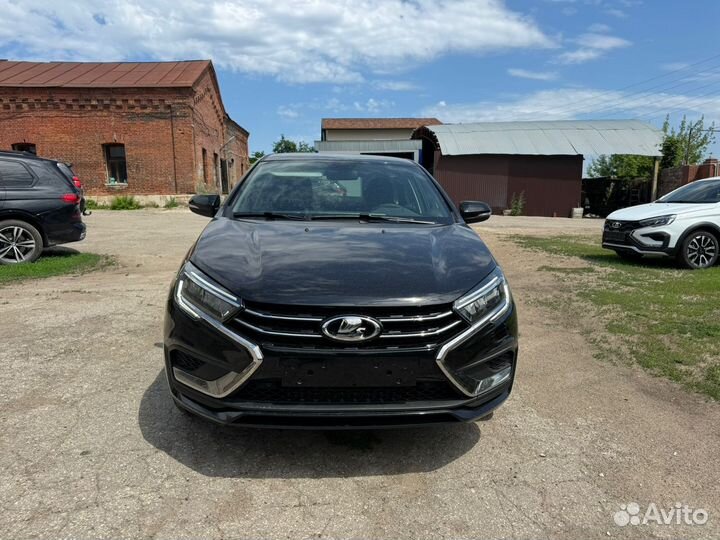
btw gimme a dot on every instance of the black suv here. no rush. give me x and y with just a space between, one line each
40 206
372 304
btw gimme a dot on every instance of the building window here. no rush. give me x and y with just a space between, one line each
216 165
204 166
116 164
24 147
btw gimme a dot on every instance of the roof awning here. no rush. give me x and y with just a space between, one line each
389 145
565 137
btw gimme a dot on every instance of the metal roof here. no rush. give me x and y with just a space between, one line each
313 156
101 74
377 123
388 145
565 137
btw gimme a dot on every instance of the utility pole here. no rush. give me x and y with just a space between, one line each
656 170
686 161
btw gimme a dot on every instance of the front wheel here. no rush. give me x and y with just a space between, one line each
20 242
699 250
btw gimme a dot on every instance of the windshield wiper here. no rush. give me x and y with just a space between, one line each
372 217
268 215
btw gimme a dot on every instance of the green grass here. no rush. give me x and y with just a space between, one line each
92 204
664 318
121 202
54 262
171 202
125 202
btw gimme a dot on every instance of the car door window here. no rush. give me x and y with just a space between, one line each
14 175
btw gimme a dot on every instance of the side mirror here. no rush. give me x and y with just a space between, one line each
475 211
205 205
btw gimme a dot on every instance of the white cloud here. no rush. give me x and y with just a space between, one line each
373 106
601 41
674 66
396 86
535 75
287 112
593 45
598 28
298 41
570 103
619 13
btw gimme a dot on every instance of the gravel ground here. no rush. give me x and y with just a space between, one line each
92 447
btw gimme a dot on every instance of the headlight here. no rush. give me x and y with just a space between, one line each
657 221
488 300
196 291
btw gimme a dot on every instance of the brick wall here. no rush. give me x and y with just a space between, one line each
674 177
163 130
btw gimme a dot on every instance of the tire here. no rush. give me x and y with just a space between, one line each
699 249
20 242
628 255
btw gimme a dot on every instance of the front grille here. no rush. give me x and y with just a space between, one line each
299 327
614 225
274 392
186 362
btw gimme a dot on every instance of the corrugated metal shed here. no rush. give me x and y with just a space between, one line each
567 137
368 146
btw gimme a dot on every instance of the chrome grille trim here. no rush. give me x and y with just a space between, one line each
298 327
426 333
276 333
415 318
282 317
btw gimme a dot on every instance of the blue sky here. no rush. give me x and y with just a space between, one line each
284 66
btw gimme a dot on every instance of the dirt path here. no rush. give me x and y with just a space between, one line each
92 447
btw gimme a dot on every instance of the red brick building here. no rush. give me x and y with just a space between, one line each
127 128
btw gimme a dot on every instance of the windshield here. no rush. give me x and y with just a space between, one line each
316 189
700 191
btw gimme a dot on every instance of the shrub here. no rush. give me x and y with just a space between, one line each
517 204
171 202
92 204
123 202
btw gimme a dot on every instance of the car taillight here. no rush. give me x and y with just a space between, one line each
71 198
77 182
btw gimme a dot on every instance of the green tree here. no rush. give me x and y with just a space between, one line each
288 145
305 147
621 166
256 156
686 145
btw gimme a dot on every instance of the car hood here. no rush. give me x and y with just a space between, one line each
342 264
645 211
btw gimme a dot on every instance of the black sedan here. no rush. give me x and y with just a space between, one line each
371 305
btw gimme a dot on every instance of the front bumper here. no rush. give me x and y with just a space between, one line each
631 237
375 388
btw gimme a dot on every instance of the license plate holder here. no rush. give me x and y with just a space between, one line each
355 373
614 236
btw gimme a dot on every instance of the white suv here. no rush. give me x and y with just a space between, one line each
684 224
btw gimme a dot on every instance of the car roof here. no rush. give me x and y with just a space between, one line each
26 155
329 156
